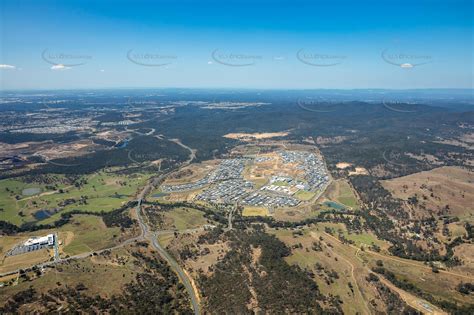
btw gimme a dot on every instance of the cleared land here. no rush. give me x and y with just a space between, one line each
255 136
341 192
359 171
440 285
360 239
255 211
332 272
25 260
191 173
465 252
343 165
325 256
85 233
270 164
184 218
435 190
305 195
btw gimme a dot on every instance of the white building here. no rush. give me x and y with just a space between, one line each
36 243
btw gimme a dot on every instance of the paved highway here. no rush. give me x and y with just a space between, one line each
152 237
146 233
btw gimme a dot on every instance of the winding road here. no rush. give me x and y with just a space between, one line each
147 234
151 236
412 300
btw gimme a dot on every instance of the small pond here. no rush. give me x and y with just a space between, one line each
334 205
42 214
31 191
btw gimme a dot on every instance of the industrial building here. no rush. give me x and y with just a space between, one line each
34 243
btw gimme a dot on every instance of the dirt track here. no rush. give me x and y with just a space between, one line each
415 302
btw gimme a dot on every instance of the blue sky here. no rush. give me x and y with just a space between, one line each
236 44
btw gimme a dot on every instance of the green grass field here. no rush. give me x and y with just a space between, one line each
85 233
259 183
10 199
165 239
362 238
186 218
89 234
104 192
304 195
346 196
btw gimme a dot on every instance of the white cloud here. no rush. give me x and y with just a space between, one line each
102 70
209 62
2 66
60 67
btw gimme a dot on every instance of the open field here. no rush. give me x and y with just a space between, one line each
305 195
258 180
7 242
11 194
343 165
294 214
85 233
187 195
352 265
255 211
24 260
204 261
98 192
165 239
465 252
434 190
440 285
184 218
341 192
191 173
247 149
104 276
364 238
63 150
457 229
332 199
332 271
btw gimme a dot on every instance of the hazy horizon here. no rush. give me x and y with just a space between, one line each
261 45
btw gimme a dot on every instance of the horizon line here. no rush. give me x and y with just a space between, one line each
236 89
